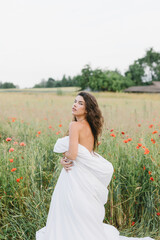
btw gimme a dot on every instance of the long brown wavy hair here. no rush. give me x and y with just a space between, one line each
93 116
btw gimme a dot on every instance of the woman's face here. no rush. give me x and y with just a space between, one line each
79 106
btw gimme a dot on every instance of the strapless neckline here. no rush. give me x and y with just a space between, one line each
83 147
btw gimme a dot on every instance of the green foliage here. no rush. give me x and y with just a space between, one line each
98 80
7 85
146 69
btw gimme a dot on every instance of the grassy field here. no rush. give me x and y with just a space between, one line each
29 169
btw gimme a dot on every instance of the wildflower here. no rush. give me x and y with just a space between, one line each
158 213
125 141
57 132
143 147
18 179
139 144
154 132
13 119
151 178
146 151
111 130
8 139
60 125
11 149
50 126
132 223
39 132
123 133
15 143
137 147
139 125
13 169
22 144
151 125
11 160
129 139
21 177
152 140
112 135
149 172
144 168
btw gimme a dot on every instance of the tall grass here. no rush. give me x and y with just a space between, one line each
35 119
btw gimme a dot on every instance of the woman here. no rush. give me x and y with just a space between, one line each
77 205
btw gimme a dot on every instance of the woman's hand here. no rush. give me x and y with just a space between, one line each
66 163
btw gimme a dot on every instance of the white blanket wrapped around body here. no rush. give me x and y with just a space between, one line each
77 204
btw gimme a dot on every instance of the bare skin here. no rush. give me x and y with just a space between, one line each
85 136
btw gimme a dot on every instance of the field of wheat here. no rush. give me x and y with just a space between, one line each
30 124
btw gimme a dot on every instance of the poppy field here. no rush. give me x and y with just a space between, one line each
30 124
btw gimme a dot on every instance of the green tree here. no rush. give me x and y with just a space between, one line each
7 85
85 75
50 83
146 69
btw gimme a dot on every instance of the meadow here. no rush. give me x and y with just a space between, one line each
30 124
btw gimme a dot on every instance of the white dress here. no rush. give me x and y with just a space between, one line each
77 205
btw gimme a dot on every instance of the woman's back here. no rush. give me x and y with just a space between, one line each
86 137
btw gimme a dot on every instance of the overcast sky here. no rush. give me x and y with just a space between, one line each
48 38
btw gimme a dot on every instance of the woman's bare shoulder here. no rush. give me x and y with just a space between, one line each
75 124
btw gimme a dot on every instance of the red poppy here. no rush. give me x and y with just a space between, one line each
144 168
13 169
60 125
15 143
11 160
146 151
139 125
57 132
112 135
132 223
139 144
50 126
152 140
22 144
18 179
11 149
125 141
137 147
129 139
123 133
39 132
149 172
8 139
158 213
21 177
154 132
111 130
150 126
151 178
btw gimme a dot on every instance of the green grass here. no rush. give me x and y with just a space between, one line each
133 197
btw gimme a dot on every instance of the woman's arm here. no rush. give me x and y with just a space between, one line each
74 129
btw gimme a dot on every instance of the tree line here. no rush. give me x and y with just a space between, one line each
142 72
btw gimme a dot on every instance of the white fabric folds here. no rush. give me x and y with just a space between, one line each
77 205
